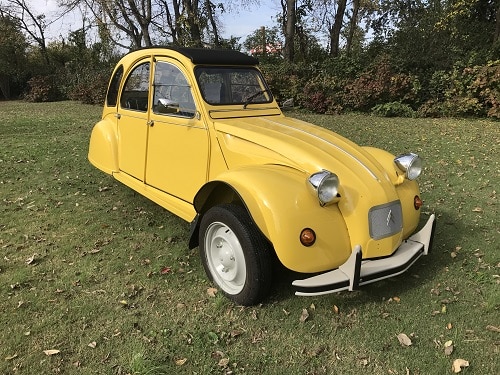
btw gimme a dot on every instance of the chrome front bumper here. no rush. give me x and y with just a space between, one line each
356 272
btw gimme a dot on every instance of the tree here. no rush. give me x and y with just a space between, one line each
34 25
12 52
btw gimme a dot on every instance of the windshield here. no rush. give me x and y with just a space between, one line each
232 85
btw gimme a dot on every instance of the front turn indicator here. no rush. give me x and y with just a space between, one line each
417 202
307 237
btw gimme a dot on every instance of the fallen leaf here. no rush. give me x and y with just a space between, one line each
397 299
449 326
165 270
223 362
11 357
493 329
218 354
448 347
477 209
336 309
92 345
51 352
304 316
180 362
236 333
31 259
254 314
458 364
212 292
404 340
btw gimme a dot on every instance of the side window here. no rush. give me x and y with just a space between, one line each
136 90
172 94
114 86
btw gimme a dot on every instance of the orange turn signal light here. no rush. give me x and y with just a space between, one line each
417 202
307 237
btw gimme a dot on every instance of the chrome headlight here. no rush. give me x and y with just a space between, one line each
325 186
411 164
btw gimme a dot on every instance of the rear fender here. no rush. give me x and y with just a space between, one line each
281 206
103 147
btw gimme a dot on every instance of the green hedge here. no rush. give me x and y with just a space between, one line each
380 89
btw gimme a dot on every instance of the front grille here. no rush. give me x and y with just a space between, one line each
385 220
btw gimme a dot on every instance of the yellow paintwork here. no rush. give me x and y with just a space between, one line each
266 159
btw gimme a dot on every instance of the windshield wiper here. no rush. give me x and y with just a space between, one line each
252 97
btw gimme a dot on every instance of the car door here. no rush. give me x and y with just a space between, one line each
178 142
132 120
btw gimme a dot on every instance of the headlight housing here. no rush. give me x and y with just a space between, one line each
410 164
325 186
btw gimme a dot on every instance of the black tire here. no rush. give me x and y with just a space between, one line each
236 256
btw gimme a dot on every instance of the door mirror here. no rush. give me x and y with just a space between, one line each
167 106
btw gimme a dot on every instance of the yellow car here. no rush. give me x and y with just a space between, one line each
198 132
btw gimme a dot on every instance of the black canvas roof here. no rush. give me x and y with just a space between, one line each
217 56
214 56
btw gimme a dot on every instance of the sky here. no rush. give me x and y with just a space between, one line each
240 22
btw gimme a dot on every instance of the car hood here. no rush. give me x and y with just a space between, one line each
300 145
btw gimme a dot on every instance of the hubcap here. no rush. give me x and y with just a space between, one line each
225 258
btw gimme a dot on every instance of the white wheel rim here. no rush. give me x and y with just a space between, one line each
225 258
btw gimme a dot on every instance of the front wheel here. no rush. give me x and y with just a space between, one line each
235 254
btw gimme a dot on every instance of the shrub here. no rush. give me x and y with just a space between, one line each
42 89
393 109
487 86
91 89
322 94
379 85
464 91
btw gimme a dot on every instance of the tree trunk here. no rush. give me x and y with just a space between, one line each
497 29
290 30
5 86
336 28
191 7
353 24
210 13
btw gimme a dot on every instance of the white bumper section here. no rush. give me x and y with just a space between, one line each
356 272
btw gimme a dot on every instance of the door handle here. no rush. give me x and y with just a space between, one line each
151 123
118 116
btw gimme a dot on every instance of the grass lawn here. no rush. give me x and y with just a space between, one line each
95 279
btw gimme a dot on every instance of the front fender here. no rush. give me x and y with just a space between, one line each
280 204
103 146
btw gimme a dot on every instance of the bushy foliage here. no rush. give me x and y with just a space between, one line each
324 87
286 79
487 86
91 89
464 91
42 89
393 109
323 94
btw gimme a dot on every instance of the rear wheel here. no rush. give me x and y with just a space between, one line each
235 254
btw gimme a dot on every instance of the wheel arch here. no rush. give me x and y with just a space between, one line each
279 203
212 194
103 146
